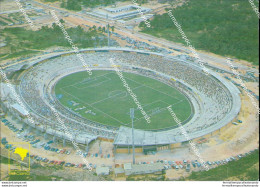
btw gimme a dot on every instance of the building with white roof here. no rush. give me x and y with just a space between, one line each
120 12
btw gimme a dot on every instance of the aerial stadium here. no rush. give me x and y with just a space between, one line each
97 106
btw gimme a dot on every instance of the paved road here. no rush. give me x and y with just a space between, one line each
14 11
167 44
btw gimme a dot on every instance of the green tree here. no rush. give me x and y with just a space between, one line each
113 28
104 29
73 5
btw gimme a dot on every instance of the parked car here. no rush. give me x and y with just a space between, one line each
188 168
67 152
50 142
42 144
239 156
67 164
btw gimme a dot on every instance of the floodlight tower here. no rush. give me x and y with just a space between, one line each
108 33
132 115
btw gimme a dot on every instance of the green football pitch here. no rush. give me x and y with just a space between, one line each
101 97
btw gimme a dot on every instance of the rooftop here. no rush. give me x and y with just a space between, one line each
119 12
20 109
145 168
102 170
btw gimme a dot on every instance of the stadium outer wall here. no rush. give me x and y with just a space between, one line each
123 149
138 149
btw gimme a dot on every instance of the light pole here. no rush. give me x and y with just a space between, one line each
108 33
132 114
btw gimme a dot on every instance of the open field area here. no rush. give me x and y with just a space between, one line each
103 98
227 28
245 169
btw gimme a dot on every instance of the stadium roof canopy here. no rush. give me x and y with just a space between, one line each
142 138
20 109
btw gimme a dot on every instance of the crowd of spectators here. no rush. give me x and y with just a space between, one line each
36 88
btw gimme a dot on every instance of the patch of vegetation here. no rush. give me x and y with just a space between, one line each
4 160
2 23
51 1
245 169
18 16
147 177
32 177
222 27
23 42
77 4
7 19
1 55
71 5
19 53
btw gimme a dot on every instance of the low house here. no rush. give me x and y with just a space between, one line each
102 170
119 171
155 168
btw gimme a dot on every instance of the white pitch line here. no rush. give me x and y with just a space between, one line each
113 96
92 106
154 89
